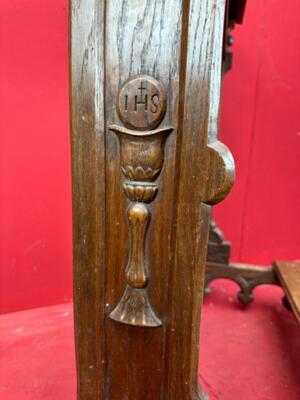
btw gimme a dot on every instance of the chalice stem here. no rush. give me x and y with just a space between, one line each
135 307
139 218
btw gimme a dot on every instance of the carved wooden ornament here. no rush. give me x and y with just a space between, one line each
141 103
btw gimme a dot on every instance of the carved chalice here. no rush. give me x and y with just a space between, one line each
142 157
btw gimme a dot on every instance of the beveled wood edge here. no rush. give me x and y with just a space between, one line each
131 132
286 290
221 160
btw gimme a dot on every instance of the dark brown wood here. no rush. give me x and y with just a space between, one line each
237 10
218 252
247 276
146 166
218 249
141 103
289 276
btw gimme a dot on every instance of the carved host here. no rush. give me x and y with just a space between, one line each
141 106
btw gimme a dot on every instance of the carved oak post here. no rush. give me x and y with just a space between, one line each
146 165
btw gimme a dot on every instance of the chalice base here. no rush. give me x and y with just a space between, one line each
135 309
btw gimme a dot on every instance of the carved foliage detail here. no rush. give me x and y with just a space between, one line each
139 173
139 191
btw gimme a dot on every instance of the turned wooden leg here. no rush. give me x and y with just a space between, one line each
146 166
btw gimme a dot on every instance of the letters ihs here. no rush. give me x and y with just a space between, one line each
142 99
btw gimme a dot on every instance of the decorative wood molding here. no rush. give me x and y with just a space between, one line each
218 249
248 277
220 160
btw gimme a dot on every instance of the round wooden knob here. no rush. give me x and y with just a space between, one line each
141 103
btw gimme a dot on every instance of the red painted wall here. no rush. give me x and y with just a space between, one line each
260 123
35 199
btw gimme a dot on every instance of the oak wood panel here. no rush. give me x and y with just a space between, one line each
179 44
88 182
201 87
139 41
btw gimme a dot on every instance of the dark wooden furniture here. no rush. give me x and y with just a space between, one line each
234 14
218 252
248 277
218 248
146 167
218 265
288 273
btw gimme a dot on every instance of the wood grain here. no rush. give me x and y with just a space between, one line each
288 273
88 180
179 44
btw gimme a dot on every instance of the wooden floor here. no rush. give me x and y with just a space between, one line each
247 353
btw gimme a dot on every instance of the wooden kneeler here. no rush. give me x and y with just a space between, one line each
146 165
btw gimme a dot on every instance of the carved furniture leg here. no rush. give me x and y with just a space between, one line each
218 266
146 167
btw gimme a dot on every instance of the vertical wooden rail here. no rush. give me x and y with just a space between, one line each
146 166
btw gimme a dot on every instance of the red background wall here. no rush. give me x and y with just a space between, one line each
260 123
